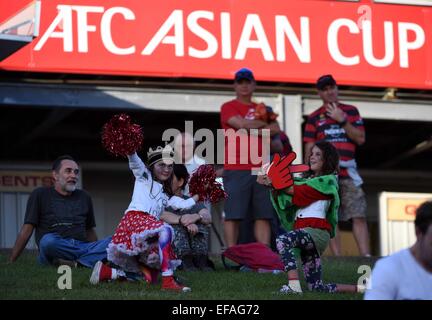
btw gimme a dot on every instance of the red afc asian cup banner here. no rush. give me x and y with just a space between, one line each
361 43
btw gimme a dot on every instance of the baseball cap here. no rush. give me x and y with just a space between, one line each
244 73
325 80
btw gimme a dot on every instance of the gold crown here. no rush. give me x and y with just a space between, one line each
166 151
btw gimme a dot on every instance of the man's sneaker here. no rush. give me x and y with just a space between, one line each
61 262
169 283
100 273
286 289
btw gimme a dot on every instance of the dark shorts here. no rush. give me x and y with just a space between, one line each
246 198
353 200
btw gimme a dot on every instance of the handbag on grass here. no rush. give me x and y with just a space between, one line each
255 256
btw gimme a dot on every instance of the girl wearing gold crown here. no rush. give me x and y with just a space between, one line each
141 239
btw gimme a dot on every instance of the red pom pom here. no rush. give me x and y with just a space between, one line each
121 137
217 194
203 183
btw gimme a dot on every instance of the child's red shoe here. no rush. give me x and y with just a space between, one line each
169 283
100 273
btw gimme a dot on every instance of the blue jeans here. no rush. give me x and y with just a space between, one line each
53 246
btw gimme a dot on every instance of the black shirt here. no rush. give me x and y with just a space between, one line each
69 216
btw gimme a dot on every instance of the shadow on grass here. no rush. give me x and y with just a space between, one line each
26 279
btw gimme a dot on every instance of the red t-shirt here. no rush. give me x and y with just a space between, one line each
243 151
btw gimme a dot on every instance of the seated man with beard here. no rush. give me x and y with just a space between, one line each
63 219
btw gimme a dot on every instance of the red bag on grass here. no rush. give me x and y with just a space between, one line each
255 255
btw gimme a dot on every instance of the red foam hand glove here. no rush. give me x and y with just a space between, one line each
280 171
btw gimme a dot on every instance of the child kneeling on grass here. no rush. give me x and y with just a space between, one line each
309 209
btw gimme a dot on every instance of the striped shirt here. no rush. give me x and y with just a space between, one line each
320 127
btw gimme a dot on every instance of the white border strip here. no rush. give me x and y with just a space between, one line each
407 2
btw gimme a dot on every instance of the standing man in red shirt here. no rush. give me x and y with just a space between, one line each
246 198
341 125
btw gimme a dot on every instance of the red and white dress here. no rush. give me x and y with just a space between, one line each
136 236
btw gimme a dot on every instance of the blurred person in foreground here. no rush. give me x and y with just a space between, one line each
406 274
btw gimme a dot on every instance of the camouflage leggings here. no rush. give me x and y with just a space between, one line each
187 244
310 257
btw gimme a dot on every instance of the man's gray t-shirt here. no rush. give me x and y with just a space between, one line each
69 216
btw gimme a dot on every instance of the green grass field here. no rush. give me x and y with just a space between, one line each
26 279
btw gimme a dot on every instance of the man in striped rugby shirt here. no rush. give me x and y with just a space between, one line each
341 125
